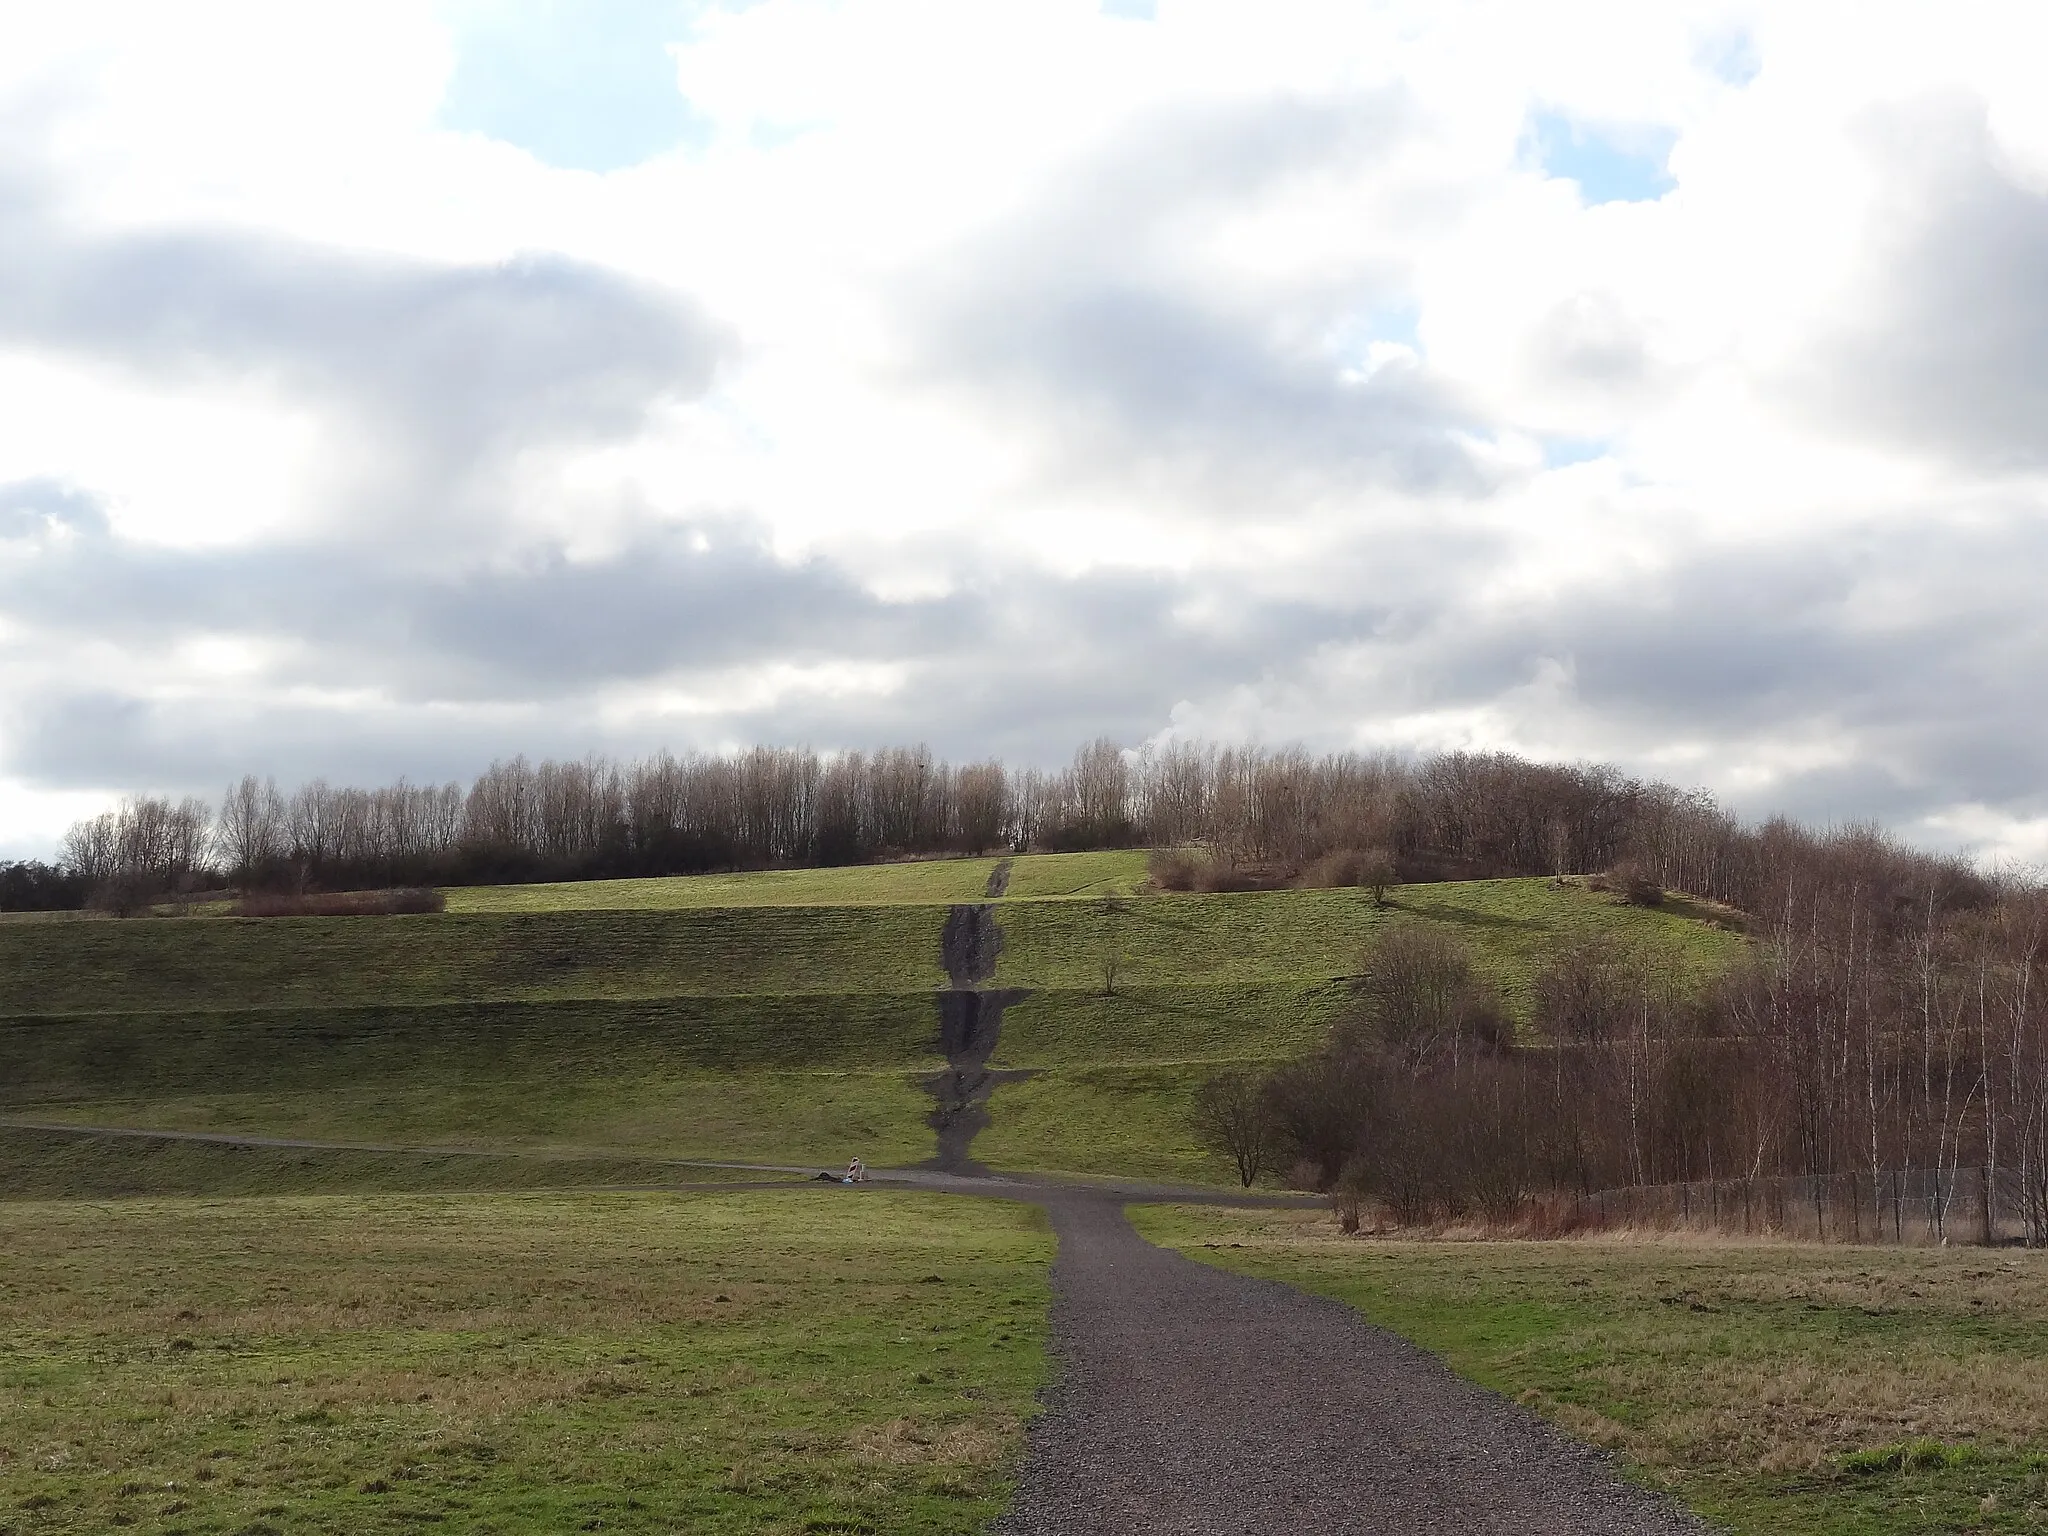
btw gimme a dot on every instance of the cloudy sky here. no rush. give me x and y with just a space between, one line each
386 387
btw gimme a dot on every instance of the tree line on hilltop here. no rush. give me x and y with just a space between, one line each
1252 811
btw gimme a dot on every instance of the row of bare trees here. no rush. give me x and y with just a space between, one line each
1886 1046
146 846
1457 814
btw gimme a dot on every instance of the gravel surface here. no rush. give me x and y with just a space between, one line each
1199 1402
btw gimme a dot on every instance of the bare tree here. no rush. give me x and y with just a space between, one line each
981 807
1419 999
1376 873
1231 1116
249 837
1113 909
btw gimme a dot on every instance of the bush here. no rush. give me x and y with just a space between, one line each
1216 875
1419 999
1231 1116
1172 869
1185 869
126 895
1632 883
1369 869
1587 992
345 904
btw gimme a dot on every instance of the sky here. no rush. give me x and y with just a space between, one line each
386 388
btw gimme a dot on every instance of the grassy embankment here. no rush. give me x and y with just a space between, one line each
59 1164
769 1362
1780 1389
920 882
783 1017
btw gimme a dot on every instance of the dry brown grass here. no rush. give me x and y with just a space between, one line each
906 1442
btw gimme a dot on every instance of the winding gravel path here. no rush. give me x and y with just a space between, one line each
1192 1402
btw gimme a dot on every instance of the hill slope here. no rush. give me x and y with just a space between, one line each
783 1017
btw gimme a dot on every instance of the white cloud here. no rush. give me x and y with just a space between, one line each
1192 373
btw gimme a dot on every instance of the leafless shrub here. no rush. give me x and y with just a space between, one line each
1172 869
1322 1109
1632 883
1232 1116
1217 875
1112 910
1419 999
130 893
1208 870
1587 992
1371 869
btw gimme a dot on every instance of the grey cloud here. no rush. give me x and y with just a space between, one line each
1589 341
31 507
1936 690
443 364
1085 320
703 595
459 670
1949 345
96 736
1135 376
1919 647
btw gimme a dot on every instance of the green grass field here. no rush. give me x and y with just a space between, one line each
923 882
786 1362
779 1017
1780 1389
48 1164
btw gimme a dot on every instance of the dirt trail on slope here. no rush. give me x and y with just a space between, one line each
1194 1402
998 881
970 1024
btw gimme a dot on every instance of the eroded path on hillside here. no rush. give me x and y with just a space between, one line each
970 1026
1193 1402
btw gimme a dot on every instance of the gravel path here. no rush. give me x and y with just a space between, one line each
1192 1402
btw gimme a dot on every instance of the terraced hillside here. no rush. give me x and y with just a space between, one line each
784 1017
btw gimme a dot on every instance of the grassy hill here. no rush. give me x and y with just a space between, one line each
779 1017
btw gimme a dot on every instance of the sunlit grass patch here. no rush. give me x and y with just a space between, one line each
915 882
747 1362
54 1165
